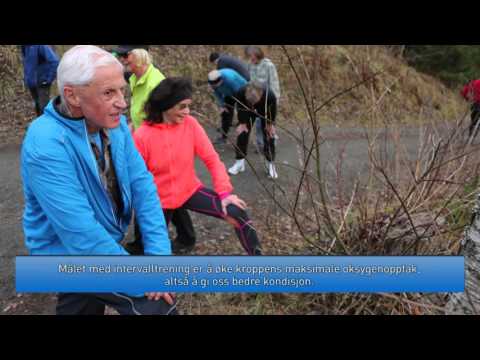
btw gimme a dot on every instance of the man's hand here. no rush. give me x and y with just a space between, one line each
241 129
156 296
233 200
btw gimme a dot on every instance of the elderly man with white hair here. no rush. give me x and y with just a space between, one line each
83 178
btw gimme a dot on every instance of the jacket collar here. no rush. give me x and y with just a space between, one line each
57 110
143 79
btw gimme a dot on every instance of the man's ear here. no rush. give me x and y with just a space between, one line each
72 96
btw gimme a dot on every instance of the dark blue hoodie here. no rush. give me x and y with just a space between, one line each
40 64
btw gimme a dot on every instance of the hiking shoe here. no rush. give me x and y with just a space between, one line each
272 171
237 168
257 252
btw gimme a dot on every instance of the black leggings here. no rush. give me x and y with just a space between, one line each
227 116
41 97
207 202
241 150
185 232
94 304
475 117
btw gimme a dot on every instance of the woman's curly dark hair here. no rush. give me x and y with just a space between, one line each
165 96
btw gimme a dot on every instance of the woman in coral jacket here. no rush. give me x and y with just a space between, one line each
169 140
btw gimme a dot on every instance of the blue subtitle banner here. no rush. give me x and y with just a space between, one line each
242 274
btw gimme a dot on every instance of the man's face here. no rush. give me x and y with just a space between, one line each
130 63
102 101
123 59
253 59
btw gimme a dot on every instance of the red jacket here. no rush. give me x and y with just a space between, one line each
169 152
471 91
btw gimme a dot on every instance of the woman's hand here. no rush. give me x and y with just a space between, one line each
270 128
233 200
241 129
156 296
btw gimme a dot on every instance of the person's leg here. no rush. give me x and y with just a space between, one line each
79 304
185 231
43 97
269 144
227 116
208 202
135 248
94 304
474 126
230 105
168 214
269 152
34 93
259 133
241 151
128 305
472 121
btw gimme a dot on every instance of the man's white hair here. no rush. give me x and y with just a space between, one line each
78 65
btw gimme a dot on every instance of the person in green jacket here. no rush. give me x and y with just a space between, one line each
145 78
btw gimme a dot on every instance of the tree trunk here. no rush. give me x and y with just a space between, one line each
468 303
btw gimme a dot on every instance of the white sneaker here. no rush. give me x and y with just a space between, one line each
272 171
237 168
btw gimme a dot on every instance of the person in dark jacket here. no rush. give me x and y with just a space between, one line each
254 101
224 61
225 83
40 64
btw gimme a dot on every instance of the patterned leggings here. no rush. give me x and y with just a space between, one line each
207 202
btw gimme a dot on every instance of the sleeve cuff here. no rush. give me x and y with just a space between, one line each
224 195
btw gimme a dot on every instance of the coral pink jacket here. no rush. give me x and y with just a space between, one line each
169 151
